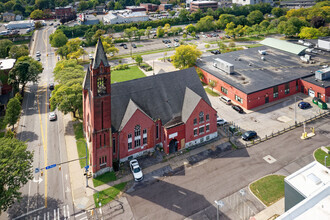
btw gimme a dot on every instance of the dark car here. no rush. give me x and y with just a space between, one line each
133 45
51 86
168 41
215 52
304 105
164 41
121 45
237 108
249 135
125 46
197 37
176 40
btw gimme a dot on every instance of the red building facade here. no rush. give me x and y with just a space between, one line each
124 120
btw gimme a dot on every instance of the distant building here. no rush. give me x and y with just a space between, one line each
324 43
125 17
307 193
19 24
64 12
84 19
8 16
100 9
203 5
136 8
164 1
165 7
149 6
296 4
251 2
19 17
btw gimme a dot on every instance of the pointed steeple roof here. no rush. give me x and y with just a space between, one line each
99 56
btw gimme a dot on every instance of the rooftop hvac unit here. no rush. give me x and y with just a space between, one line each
263 58
262 52
304 59
308 57
223 65
322 74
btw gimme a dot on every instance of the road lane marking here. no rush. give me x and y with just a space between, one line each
43 139
68 209
54 214
28 213
47 215
64 213
76 216
58 213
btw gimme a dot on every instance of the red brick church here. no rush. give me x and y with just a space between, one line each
127 119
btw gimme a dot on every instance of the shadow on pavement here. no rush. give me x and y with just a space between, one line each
27 136
31 203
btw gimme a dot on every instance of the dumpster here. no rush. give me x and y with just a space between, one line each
316 100
322 105
232 129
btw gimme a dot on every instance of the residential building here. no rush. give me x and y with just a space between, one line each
136 8
100 9
251 2
296 4
203 5
8 16
165 7
149 7
124 17
255 76
124 120
307 193
5 89
64 12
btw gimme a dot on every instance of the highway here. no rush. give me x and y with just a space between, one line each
48 195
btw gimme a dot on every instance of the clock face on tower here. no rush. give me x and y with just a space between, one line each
101 86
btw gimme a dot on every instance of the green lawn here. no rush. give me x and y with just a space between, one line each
319 156
108 195
81 147
210 92
269 189
21 42
2 134
104 178
124 75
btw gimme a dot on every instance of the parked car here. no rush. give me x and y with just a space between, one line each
249 135
133 45
52 116
136 170
176 40
221 121
38 54
50 24
125 46
167 45
121 45
238 109
164 41
168 41
225 100
90 56
215 52
304 105
197 37
51 86
176 44
38 59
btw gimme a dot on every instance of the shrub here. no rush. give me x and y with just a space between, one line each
121 67
9 134
207 45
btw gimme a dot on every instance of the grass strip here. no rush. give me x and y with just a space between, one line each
320 155
80 141
104 178
105 196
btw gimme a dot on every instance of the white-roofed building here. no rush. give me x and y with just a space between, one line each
124 17
305 183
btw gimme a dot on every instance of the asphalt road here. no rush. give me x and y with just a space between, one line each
48 195
195 188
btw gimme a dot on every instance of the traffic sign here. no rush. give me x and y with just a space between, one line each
86 167
37 170
51 166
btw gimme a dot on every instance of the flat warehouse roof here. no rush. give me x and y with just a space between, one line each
252 74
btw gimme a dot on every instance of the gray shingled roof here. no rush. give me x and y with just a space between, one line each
160 96
86 82
99 56
191 99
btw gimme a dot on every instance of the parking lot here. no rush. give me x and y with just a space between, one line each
271 117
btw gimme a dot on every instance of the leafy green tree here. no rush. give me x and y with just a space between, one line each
160 32
255 17
183 15
138 59
42 4
128 32
25 70
15 170
309 33
278 12
205 24
18 51
83 5
118 6
5 46
58 38
185 56
317 22
8 6
264 25
97 35
108 45
200 73
148 31
167 28
37 14
172 13
62 51
140 33
67 99
224 19
68 70
213 84
190 28
230 29
13 112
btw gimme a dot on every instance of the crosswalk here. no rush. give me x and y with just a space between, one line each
59 213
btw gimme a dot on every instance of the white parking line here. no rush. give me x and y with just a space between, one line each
79 214
84 218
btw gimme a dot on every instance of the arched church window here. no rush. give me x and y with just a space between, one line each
101 86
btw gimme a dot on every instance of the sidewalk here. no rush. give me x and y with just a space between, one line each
83 197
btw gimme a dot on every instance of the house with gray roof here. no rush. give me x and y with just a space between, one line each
124 120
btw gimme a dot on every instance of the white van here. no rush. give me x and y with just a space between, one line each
225 100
